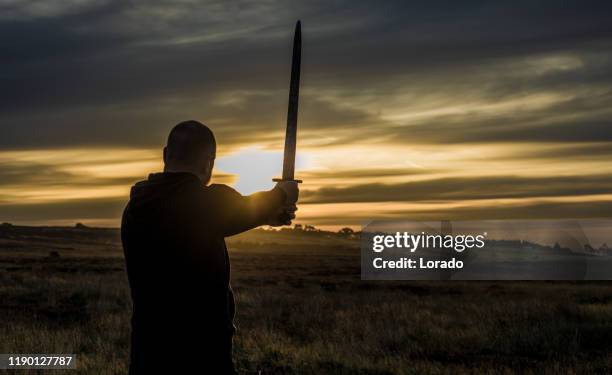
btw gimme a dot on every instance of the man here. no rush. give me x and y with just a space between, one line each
173 232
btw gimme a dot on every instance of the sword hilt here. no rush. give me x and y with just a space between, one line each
287 179
284 216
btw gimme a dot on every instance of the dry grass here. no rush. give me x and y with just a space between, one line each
302 309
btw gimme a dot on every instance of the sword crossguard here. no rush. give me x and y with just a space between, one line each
282 179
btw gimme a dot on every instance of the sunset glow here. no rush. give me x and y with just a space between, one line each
398 118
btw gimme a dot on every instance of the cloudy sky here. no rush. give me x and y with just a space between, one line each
428 110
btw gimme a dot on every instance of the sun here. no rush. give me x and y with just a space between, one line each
255 168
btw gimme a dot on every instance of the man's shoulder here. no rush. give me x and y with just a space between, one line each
221 189
221 193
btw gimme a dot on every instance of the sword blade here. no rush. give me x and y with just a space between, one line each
292 111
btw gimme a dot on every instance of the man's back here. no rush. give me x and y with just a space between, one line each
173 232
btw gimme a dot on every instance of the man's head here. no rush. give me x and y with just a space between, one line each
191 148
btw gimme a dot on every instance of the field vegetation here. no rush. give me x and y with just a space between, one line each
302 309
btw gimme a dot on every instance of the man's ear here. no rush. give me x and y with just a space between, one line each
209 167
210 164
165 154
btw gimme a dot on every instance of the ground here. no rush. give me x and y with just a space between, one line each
302 309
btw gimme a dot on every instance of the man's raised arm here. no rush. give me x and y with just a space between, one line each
235 213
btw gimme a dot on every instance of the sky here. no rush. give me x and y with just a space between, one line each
408 110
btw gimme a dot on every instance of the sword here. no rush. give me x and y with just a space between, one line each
292 111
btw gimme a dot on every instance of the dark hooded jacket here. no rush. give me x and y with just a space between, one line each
173 232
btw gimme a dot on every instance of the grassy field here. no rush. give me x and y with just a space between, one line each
302 309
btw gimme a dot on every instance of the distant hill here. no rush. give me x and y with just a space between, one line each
15 236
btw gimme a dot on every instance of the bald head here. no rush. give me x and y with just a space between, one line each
191 148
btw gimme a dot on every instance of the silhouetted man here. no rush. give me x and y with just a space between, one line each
173 233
